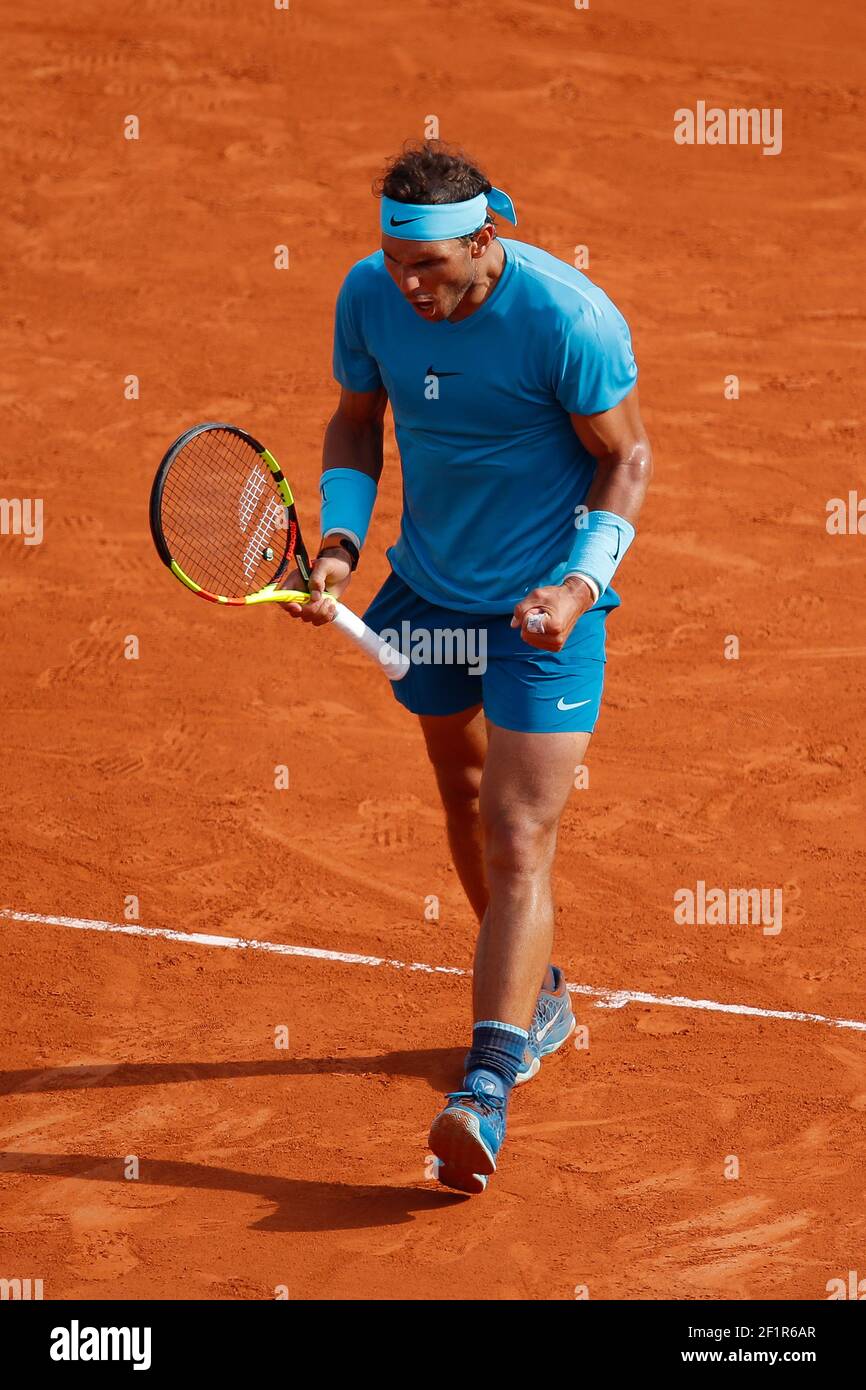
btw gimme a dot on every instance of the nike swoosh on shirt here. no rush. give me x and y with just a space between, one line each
403 221
560 704
431 371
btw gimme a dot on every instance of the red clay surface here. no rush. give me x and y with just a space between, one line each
155 777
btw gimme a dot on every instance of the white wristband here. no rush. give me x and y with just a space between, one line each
342 531
590 583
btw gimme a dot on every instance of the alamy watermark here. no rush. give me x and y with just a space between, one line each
22 516
440 646
77 1343
736 125
854 1287
20 1289
846 516
720 907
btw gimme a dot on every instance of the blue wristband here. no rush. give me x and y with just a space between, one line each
601 541
348 497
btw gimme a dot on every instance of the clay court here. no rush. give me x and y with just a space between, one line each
151 776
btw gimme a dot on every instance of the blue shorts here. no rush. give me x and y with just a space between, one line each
459 660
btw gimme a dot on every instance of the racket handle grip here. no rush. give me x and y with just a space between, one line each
393 662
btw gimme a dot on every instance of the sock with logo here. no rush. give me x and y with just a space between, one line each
496 1054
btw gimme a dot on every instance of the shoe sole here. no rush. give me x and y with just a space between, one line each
472 1183
455 1141
545 1052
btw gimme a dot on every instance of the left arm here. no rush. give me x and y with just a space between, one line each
618 442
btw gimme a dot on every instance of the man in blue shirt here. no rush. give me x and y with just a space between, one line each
511 380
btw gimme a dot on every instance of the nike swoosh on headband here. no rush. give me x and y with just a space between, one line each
442 221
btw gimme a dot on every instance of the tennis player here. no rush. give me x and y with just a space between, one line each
511 379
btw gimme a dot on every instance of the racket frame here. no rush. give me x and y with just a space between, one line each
394 663
271 593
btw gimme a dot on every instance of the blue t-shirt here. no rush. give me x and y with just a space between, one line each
492 468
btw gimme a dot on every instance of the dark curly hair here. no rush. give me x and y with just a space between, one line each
429 171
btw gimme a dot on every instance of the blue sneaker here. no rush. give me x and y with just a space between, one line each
472 1183
552 1024
466 1137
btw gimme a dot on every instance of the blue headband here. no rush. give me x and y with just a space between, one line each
440 221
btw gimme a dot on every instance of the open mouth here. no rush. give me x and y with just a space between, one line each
424 306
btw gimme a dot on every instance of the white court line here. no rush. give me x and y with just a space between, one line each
605 998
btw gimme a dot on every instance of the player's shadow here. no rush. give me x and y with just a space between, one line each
441 1067
300 1205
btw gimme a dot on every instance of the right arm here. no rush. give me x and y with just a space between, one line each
354 433
353 439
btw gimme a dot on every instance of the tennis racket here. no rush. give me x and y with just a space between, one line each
223 520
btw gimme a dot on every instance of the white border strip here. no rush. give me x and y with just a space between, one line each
605 998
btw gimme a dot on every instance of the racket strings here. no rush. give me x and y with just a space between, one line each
224 520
